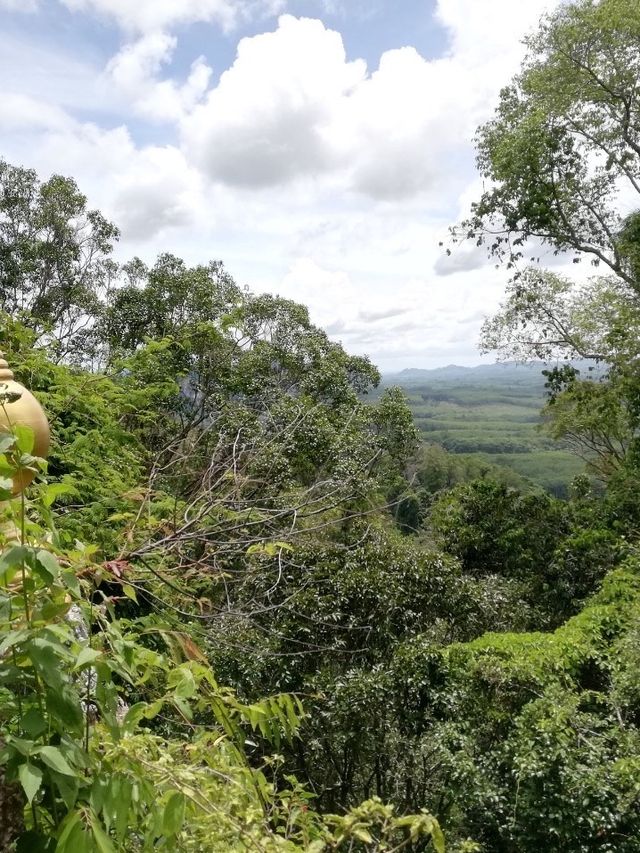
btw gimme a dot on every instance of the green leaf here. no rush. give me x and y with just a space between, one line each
98 793
10 561
87 656
363 835
25 437
141 710
121 516
6 468
13 638
183 682
270 549
30 778
130 592
68 788
21 745
54 490
173 816
101 838
64 706
49 563
34 723
183 707
73 838
122 807
47 661
437 838
71 582
54 759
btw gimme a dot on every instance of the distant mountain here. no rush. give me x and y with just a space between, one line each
499 371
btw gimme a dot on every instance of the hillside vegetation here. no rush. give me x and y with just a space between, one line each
245 607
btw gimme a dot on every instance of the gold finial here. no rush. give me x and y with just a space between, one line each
5 370
19 406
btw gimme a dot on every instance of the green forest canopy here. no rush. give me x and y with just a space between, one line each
248 611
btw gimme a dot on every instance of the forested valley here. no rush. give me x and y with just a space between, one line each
490 419
245 606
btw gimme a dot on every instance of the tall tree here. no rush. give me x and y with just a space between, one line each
564 144
54 255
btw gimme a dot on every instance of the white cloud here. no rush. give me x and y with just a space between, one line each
307 174
293 106
23 112
414 320
486 47
484 32
140 60
146 190
403 130
54 77
143 16
156 191
134 70
267 120
461 259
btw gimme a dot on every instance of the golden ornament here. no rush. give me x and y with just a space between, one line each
19 406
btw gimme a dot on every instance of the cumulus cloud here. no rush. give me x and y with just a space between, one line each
54 77
267 120
142 16
293 106
157 191
383 314
415 321
484 32
485 49
460 260
400 127
309 174
134 70
23 112
140 60
146 190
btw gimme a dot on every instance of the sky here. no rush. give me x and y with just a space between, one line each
320 148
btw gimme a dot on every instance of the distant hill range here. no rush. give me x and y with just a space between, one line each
509 371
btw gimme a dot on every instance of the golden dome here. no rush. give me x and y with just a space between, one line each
19 406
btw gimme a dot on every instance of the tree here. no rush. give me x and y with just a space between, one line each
592 418
549 317
82 768
164 300
54 255
533 738
565 141
561 153
494 529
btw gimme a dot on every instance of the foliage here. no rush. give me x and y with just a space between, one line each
525 719
556 551
485 422
409 638
547 316
95 774
54 255
565 140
